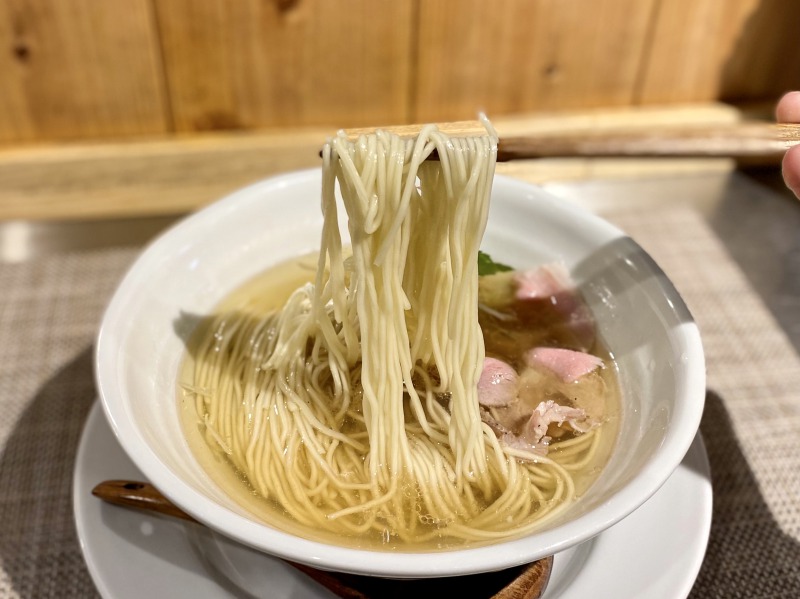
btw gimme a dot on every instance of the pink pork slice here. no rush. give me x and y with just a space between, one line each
497 385
544 282
553 284
547 413
567 364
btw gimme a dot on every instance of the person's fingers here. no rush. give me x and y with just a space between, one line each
788 111
788 108
791 169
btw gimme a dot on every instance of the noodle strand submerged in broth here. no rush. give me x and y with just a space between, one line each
353 408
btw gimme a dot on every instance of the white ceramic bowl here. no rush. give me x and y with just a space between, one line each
191 267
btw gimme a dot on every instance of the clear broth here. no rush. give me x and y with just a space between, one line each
268 292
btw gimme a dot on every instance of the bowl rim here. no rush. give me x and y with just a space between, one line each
396 564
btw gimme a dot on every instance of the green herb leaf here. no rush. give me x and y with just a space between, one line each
487 266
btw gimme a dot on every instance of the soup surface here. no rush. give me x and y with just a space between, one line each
511 327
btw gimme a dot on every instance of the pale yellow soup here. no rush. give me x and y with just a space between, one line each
267 293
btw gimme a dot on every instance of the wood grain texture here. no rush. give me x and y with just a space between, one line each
721 49
512 56
82 69
79 68
259 63
158 177
760 142
144 178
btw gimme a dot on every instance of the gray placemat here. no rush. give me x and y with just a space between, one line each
751 423
49 315
50 309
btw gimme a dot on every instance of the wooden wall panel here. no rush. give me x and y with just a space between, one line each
258 63
118 68
722 49
79 68
510 56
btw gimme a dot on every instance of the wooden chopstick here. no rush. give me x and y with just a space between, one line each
762 141
746 140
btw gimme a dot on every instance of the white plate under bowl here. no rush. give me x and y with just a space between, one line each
656 552
191 267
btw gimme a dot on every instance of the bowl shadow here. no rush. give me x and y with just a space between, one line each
748 554
39 548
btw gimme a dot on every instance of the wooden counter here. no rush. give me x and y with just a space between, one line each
178 174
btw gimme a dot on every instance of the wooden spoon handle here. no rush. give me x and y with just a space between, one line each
135 494
524 582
